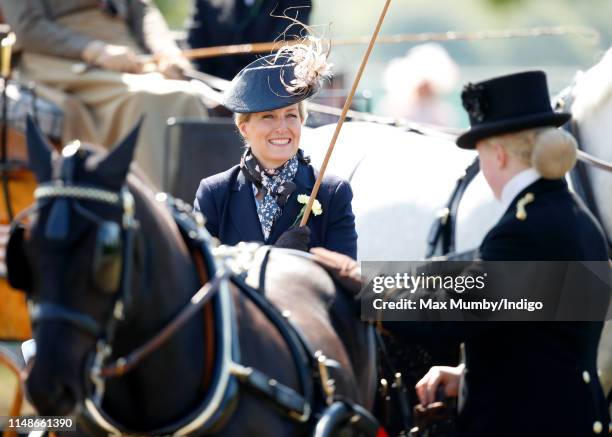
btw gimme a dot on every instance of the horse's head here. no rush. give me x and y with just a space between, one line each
71 260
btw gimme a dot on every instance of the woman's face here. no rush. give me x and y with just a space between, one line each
274 136
494 165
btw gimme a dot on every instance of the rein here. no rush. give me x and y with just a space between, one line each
123 365
595 162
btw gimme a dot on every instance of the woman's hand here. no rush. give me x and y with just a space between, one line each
439 376
172 64
112 57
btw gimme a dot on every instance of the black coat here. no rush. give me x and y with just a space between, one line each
536 378
227 201
237 23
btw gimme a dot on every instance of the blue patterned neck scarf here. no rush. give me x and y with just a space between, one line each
276 184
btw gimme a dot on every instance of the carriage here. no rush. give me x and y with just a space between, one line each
419 211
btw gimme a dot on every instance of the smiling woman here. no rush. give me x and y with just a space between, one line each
257 200
273 136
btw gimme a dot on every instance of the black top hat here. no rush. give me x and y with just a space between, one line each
507 104
263 86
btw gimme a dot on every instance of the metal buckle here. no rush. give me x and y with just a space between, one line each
443 215
327 384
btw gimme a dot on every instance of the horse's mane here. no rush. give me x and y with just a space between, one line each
593 88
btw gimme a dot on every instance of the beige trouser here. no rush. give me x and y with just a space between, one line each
102 106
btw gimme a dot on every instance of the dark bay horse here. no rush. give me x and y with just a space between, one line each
107 268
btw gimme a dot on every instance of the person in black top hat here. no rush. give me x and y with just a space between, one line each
527 379
262 198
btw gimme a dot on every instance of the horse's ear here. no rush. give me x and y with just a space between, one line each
115 166
39 152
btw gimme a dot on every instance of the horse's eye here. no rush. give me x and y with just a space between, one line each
108 258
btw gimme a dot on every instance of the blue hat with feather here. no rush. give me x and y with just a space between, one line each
293 74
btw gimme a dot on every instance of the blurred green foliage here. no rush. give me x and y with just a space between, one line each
175 11
504 3
414 16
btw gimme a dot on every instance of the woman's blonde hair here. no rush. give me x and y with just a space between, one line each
240 118
551 151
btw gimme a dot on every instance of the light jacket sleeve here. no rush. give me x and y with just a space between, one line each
37 32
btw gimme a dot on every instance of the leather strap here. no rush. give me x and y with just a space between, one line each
49 311
441 238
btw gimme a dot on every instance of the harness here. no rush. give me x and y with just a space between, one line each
441 238
316 406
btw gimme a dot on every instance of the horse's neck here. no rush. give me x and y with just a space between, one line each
164 274
592 110
166 384
595 140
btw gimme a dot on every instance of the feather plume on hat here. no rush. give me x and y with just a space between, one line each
294 73
310 58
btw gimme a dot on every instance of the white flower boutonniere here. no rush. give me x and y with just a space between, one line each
316 207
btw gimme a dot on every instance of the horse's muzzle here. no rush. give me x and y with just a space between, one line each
50 396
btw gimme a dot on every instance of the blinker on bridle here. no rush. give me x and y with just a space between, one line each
108 258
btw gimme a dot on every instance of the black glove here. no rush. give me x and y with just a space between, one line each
295 238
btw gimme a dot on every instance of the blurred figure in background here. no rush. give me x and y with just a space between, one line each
415 86
225 22
61 40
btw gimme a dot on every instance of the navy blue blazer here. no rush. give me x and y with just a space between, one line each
558 227
227 201
536 378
